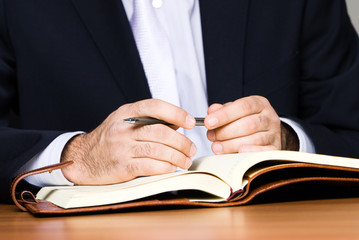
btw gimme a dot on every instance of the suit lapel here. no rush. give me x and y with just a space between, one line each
224 26
107 23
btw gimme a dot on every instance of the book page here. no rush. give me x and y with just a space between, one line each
203 175
229 167
232 167
84 196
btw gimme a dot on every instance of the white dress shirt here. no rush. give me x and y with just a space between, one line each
181 21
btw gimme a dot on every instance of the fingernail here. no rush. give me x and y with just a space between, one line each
190 121
188 163
211 136
193 150
212 121
217 147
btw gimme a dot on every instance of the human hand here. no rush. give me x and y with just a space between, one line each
246 125
116 152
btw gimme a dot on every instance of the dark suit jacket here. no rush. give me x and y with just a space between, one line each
66 64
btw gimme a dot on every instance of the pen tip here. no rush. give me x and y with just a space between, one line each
128 120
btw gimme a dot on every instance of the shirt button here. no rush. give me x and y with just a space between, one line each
157 3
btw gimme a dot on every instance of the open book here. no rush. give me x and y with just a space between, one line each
222 180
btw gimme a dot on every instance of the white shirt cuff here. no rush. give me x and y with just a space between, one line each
305 143
50 155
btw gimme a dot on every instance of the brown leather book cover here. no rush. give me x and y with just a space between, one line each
261 182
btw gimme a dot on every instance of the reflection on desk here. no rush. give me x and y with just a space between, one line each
314 219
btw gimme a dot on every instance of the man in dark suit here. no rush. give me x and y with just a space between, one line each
73 65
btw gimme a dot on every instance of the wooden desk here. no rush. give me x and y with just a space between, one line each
315 219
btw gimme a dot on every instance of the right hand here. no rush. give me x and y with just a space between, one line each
116 152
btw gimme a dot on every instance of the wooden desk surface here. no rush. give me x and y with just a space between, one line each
315 219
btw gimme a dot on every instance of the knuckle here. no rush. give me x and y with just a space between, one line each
253 124
153 150
123 109
173 159
263 122
135 108
142 150
150 103
246 106
260 140
177 160
261 100
133 168
181 143
185 146
115 128
180 115
146 149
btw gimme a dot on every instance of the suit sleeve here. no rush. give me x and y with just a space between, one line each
329 90
17 145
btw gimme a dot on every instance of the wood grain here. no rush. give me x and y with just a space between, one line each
315 219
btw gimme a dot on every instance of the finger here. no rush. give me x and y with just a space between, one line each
162 110
255 148
214 107
147 167
258 139
243 127
238 109
160 152
162 134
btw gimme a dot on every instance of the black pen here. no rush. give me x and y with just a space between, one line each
149 120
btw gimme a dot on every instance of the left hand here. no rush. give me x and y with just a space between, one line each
245 125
